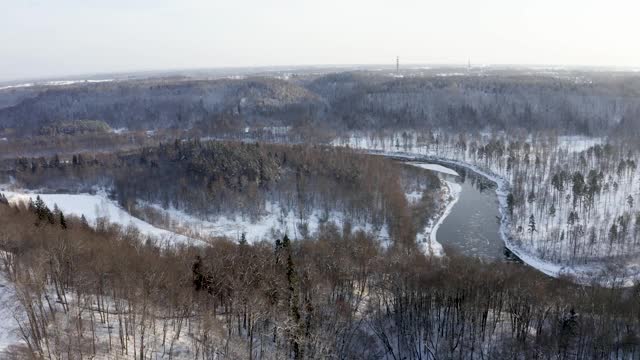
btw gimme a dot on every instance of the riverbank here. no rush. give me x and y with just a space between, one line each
602 273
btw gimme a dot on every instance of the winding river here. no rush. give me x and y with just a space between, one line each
472 228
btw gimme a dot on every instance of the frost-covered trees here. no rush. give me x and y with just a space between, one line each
576 188
109 294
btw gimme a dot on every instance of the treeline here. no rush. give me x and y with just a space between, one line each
45 146
74 127
584 103
159 103
108 293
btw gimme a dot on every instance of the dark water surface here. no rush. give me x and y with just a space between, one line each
473 226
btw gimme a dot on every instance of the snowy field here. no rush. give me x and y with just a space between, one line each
185 228
434 167
97 206
274 223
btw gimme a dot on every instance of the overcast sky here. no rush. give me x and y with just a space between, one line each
64 37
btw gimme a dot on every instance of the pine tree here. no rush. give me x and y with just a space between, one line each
83 221
532 226
50 217
510 203
613 234
198 277
294 300
39 207
532 197
573 218
63 221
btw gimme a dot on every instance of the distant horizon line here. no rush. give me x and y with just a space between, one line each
248 70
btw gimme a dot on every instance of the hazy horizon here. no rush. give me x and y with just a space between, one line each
72 37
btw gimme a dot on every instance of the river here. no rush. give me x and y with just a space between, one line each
472 228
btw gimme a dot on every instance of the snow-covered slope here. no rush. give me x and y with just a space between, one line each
97 206
9 333
273 223
434 167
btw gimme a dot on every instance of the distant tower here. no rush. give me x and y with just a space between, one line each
398 64
469 65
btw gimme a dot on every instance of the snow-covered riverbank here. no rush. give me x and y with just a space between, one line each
598 272
428 236
451 194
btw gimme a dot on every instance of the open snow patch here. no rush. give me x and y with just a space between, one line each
434 167
94 207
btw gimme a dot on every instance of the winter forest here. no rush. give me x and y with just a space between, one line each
570 199
322 215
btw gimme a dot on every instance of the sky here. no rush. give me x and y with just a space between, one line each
54 38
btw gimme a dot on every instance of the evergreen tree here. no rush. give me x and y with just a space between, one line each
532 226
198 277
532 197
613 234
39 208
573 218
63 221
510 203
83 221
51 218
294 300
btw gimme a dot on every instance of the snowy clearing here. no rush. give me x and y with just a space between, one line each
275 222
94 207
434 167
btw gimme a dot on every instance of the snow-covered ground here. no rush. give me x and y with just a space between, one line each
427 238
578 143
274 223
97 206
53 83
535 248
9 333
434 167
181 227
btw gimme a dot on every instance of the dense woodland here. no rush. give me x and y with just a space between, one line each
593 103
209 179
83 292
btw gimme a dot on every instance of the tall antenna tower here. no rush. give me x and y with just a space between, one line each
398 64
469 65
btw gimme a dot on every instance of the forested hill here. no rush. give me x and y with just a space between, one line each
582 103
